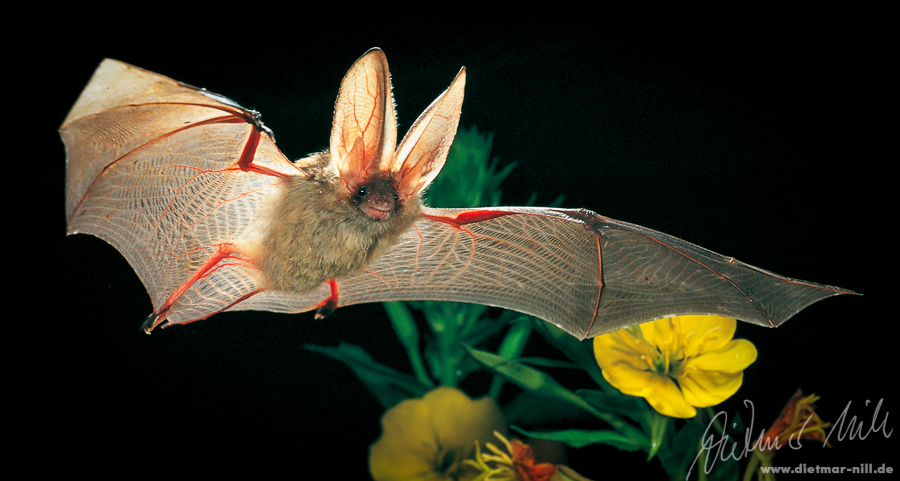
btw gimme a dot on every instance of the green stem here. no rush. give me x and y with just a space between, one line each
446 332
751 467
718 424
759 459
408 334
701 473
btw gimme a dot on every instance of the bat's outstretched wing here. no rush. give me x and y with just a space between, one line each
583 272
176 179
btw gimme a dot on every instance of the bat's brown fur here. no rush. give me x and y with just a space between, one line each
324 231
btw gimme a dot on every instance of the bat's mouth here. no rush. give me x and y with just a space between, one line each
377 210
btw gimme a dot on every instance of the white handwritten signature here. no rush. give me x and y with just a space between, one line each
719 446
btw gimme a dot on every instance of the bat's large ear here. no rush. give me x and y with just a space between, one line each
364 130
424 149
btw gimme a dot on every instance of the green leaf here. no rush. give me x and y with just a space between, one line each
529 378
529 409
541 383
579 438
388 385
680 451
581 352
682 455
469 177
660 425
615 402
548 362
512 347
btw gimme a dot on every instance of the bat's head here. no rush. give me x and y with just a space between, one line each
377 197
380 176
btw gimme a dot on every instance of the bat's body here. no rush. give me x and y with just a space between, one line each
191 188
339 234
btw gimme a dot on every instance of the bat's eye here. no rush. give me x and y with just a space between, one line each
361 193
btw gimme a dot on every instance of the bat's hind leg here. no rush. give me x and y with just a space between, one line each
327 307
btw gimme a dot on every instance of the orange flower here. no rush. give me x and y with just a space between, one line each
516 463
797 420
523 462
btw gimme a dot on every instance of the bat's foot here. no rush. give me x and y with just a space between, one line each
323 312
330 304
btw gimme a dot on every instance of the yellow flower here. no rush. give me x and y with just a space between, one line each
676 363
798 420
429 438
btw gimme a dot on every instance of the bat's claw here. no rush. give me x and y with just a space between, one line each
323 312
151 322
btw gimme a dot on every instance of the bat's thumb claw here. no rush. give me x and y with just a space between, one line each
151 322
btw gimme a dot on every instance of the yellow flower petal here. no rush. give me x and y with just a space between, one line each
666 398
459 420
706 333
633 382
676 363
708 388
428 438
660 332
735 357
407 446
621 346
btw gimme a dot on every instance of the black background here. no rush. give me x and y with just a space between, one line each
761 141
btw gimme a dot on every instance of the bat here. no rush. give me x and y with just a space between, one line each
192 190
